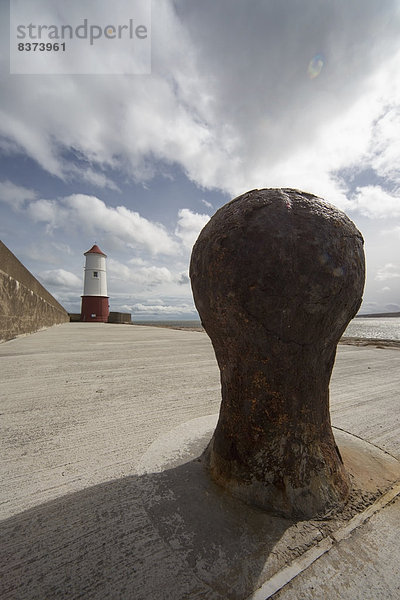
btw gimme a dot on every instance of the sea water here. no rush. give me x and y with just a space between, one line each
382 328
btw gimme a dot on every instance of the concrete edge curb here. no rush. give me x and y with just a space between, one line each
287 574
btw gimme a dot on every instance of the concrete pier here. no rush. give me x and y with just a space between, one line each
104 494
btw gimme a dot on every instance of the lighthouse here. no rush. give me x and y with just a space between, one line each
95 307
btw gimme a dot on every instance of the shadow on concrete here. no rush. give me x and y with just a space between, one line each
169 535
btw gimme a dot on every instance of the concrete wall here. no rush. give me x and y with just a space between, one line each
25 305
113 317
119 317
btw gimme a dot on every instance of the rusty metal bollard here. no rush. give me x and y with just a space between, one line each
277 274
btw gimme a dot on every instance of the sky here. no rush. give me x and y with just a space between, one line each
241 94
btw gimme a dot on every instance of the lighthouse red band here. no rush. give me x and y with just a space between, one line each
95 306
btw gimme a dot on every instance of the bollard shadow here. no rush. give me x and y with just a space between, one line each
170 535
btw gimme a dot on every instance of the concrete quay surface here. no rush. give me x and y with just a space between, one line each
104 494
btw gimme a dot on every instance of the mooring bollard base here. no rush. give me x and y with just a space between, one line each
324 493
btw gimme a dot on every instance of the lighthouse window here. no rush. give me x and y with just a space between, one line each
95 273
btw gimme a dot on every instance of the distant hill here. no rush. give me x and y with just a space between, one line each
377 315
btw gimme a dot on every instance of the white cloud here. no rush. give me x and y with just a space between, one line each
15 195
396 231
7 146
189 226
388 271
115 124
229 100
121 223
285 129
385 143
93 216
91 176
183 278
208 204
48 251
143 276
60 278
140 309
49 212
62 248
16 129
374 202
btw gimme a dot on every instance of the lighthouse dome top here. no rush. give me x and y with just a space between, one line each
95 250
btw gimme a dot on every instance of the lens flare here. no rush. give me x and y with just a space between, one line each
315 66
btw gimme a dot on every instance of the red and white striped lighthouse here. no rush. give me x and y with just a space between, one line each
95 307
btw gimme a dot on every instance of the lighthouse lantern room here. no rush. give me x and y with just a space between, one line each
95 307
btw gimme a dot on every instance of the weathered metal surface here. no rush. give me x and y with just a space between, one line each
277 274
